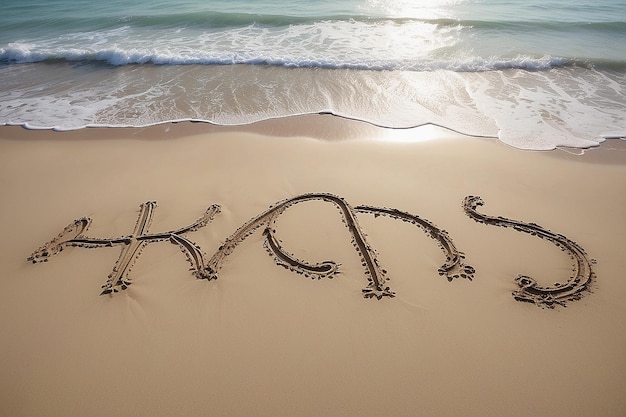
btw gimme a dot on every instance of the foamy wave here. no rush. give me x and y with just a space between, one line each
369 44
25 53
519 62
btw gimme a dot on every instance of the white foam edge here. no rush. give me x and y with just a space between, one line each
613 135
57 128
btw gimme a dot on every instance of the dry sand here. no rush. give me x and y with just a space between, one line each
265 340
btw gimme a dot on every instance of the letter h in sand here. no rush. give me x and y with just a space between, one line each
132 244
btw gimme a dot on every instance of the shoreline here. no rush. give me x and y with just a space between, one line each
334 128
276 209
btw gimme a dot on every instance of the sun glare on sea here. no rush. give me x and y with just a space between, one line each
425 9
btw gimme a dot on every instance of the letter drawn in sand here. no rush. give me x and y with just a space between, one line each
375 274
454 266
132 245
529 290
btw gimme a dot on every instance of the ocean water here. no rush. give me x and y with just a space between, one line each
536 74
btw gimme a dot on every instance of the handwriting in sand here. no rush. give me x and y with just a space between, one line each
203 267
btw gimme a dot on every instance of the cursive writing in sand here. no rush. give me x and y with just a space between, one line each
203 267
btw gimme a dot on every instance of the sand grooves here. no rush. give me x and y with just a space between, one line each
375 274
454 267
119 278
530 290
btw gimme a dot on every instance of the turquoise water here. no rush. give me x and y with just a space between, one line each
370 34
534 73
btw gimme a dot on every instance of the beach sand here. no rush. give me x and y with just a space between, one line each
264 339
